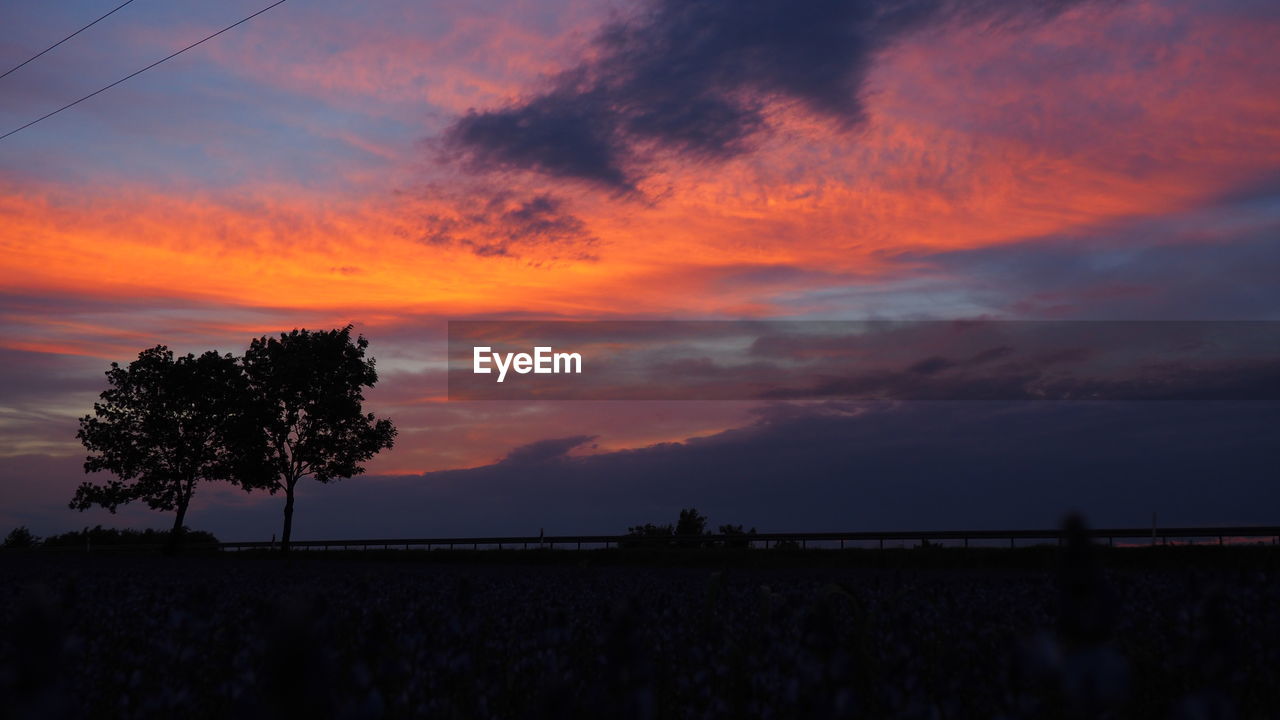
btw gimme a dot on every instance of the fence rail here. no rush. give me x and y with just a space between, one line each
1267 533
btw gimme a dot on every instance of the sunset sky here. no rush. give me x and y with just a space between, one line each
400 164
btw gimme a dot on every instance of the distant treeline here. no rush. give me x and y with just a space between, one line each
22 538
689 530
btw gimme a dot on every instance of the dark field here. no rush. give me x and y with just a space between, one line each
384 635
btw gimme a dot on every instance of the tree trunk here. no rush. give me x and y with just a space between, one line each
288 517
175 537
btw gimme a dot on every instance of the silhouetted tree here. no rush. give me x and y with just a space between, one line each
306 391
691 522
161 427
690 526
20 538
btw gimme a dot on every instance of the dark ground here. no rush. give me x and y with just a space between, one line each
600 635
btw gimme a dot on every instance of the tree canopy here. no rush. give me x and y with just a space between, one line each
161 427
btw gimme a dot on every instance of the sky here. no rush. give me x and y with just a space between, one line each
401 164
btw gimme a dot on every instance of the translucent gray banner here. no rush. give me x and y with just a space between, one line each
864 360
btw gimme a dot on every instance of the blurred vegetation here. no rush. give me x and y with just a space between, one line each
689 531
20 538
100 537
359 635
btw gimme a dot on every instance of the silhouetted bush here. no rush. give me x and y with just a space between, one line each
20 538
691 522
648 535
736 537
689 531
690 528
99 536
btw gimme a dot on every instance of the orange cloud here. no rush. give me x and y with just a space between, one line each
970 143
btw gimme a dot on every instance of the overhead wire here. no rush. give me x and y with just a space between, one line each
135 73
86 27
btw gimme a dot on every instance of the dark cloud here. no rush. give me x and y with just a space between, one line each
504 224
932 365
841 467
563 134
545 450
695 77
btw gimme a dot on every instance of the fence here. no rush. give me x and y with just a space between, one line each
1269 534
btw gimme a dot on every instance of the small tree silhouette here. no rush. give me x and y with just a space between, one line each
305 395
161 427
20 538
691 522
690 528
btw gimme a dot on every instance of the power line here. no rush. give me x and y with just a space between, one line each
139 72
86 27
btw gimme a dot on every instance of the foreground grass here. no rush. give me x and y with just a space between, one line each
645 633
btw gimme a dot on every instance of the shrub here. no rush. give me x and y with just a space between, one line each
20 538
649 535
113 537
736 537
